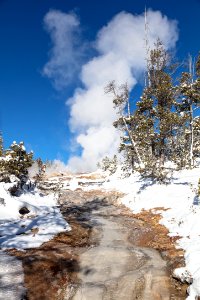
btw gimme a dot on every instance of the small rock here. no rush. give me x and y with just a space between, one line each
2 201
35 230
24 210
183 275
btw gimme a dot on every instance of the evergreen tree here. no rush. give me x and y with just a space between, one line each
189 90
196 129
1 158
162 94
1 144
16 161
19 160
109 164
125 121
199 188
163 126
157 122
41 170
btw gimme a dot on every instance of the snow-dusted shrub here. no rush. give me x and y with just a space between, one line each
109 164
14 162
153 170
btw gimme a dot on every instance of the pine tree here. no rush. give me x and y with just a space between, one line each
196 128
163 127
149 130
162 94
189 89
121 102
158 120
17 161
199 188
109 164
2 171
1 144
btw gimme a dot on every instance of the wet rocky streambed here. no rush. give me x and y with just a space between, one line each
104 256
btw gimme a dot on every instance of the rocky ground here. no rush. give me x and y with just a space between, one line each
64 267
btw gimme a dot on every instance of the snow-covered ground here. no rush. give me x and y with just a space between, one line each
43 221
31 230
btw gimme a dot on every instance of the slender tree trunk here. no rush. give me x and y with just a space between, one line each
162 151
191 137
129 111
191 115
141 164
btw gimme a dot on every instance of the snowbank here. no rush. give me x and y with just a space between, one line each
182 216
38 226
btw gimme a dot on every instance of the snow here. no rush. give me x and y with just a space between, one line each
73 184
38 226
182 274
181 217
41 224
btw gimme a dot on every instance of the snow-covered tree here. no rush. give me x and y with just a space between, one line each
158 103
157 128
2 171
14 164
1 145
196 132
18 160
109 164
125 122
199 188
189 89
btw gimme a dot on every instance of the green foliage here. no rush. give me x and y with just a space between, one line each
188 101
198 66
156 172
16 161
109 164
162 127
1 145
199 188
1 155
41 170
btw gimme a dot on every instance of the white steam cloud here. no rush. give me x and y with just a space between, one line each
121 57
66 53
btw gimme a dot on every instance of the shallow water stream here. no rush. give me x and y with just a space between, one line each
114 268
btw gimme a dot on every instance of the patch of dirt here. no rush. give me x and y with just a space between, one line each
91 176
51 268
150 233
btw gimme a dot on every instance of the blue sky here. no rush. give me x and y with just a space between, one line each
32 108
